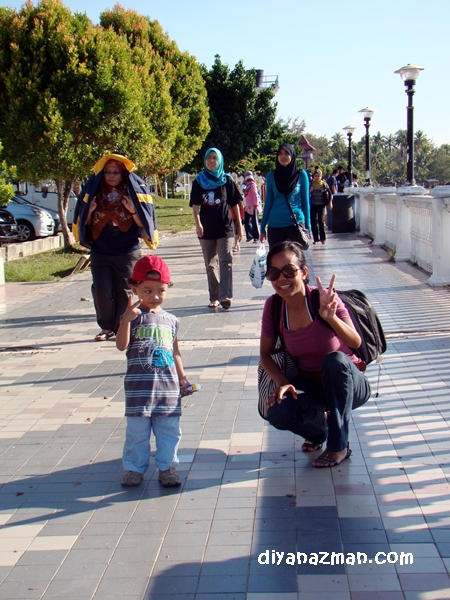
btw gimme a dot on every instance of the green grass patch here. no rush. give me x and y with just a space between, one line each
173 214
45 266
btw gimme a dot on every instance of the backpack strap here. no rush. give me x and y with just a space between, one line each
276 316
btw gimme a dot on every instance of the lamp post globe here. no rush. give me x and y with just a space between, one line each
409 75
349 131
367 114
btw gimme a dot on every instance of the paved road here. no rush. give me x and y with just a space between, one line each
69 530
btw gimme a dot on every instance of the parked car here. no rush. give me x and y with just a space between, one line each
32 221
9 232
54 213
47 200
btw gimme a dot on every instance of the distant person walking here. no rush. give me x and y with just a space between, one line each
252 207
320 198
332 181
341 179
287 185
213 194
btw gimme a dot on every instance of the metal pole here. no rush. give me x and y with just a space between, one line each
367 125
349 135
410 132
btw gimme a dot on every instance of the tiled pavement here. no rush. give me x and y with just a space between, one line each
68 529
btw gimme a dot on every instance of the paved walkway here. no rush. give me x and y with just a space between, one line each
69 530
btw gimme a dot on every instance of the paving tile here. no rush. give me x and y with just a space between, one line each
427 582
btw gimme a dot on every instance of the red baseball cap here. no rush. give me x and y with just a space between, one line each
151 263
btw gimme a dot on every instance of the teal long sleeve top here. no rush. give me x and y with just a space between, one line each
276 212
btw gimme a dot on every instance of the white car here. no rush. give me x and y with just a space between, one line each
32 221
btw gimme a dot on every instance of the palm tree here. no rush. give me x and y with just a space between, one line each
377 140
338 147
401 141
421 141
389 142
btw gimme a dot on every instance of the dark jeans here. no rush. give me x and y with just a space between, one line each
342 389
317 212
281 234
251 226
110 286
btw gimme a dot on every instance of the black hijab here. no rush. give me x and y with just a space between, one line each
286 178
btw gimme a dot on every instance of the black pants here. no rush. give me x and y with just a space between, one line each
317 212
110 286
343 388
251 226
281 234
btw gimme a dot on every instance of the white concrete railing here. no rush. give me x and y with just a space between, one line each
412 222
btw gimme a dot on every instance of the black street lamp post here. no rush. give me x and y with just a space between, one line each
349 130
409 74
367 113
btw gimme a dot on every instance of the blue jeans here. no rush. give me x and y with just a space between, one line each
343 388
136 451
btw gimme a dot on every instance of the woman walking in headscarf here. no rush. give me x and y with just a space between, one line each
321 197
287 184
213 193
115 211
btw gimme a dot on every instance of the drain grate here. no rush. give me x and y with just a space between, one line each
222 343
28 350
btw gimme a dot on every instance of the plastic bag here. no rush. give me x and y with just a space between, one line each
259 266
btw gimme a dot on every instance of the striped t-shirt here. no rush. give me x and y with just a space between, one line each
151 383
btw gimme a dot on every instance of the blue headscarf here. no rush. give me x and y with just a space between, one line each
212 179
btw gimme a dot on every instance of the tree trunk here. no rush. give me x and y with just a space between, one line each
63 201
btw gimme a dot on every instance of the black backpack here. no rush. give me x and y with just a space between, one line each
365 320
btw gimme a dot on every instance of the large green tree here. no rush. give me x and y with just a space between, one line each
69 91
240 116
181 121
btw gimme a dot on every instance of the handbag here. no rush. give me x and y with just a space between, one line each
266 385
285 361
302 232
327 195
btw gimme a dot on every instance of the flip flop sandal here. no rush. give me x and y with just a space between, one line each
311 446
213 304
104 335
226 304
331 462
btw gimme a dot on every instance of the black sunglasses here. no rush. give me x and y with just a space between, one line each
289 271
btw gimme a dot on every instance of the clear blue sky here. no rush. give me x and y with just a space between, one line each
332 58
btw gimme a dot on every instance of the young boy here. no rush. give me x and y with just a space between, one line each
154 375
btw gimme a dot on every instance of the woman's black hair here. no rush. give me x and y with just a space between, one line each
294 247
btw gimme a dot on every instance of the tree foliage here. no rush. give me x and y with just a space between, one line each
240 116
177 105
6 188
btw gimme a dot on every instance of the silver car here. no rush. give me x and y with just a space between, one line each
32 221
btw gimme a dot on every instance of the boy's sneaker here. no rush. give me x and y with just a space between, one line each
131 478
169 478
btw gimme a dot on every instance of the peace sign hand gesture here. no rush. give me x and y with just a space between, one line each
132 309
327 297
